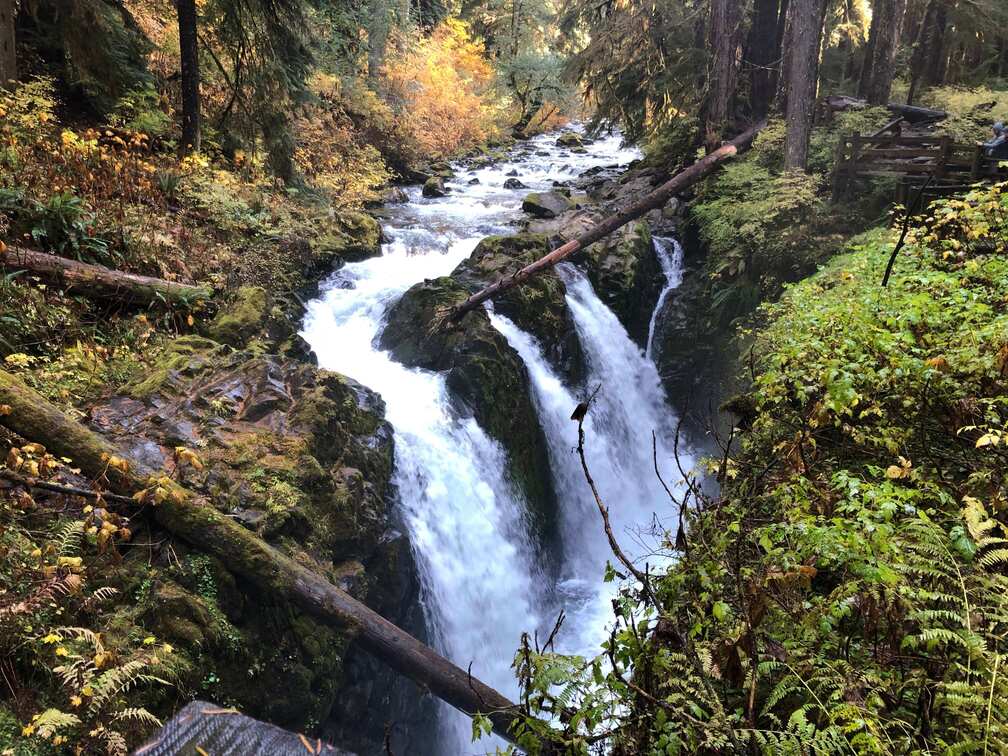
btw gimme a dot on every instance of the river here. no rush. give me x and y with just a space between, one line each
483 583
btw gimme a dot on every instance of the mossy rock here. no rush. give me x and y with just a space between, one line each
570 139
538 306
546 204
625 272
185 356
434 187
485 374
353 236
242 318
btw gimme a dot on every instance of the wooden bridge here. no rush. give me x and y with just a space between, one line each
913 159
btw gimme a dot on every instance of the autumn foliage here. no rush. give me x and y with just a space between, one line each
443 84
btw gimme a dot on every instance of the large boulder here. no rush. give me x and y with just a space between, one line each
300 456
625 272
537 306
352 236
570 139
546 204
486 375
434 187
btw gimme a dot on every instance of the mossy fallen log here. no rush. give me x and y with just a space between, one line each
194 519
682 180
101 282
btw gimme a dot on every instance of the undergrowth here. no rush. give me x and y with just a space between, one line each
846 592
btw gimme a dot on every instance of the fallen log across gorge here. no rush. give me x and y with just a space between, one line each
191 517
656 199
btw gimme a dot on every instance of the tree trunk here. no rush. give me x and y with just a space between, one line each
868 60
762 52
922 42
780 75
189 50
104 283
8 53
723 40
192 518
937 55
802 77
880 69
685 178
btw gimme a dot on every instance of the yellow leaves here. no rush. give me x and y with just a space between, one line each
101 659
75 701
51 638
5 409
87 691
167 648
990 438
186 457
74 564
62 652
115 462
902 470
14 459
150 640
939 363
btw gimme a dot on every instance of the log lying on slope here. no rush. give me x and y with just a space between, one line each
682 180
99 281
195 520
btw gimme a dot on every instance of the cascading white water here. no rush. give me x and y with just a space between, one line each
670 256
630 404
482 586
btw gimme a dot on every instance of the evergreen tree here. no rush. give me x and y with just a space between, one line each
8 54
190 78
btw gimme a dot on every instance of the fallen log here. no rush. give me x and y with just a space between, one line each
910 113
652 201
101 282
190 517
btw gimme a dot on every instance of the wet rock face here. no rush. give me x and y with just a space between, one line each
357 237
434 187
570 139
485 375
546 204
513 183
300 456
625 272
537 307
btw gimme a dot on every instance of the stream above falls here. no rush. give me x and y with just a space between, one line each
484 581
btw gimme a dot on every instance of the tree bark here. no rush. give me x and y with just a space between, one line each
192 518
8 52
883 43
101 282
937 58
922 42
723 41
864 80
762 53
685 178
189 51
802 78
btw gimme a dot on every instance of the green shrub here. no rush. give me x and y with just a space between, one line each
847 592
63 225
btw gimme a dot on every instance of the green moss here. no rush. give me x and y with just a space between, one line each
184 354
242 318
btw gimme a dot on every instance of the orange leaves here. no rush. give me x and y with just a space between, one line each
444 81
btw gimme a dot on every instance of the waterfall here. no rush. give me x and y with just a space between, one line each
618 448
481 584
670 254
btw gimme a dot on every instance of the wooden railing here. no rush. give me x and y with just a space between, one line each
953 166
